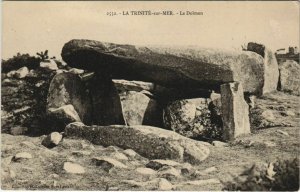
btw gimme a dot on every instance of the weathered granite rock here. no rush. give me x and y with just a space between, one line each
289 80
156 164
50 65
64 114
74 168
107 163
52 140
106 104
177 67
138 109
20 73
271 72
235 111
190 117
150 142
66 89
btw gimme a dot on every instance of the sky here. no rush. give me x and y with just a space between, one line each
30 27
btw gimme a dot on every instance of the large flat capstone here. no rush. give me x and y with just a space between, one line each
150 142
177 67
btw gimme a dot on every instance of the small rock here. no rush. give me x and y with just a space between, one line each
134 183
18 130
81 153
169 172
52 140
20 73
203 182
22 155
159 163
76 71
206 171
73 168
282 132
52 66
145 171
219 144
186 169
119 156
164 185
130 152
107 163
112 149
290 113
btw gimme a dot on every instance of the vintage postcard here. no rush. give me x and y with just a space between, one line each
150 95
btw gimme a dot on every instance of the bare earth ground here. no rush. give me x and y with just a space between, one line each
45 169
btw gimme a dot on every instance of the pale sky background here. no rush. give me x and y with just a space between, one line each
28 27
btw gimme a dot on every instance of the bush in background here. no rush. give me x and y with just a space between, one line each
20 60
283 175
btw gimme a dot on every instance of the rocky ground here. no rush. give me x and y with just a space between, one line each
47 169
79 165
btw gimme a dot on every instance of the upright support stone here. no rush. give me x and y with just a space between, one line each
106 108
235 111
271 72
68 101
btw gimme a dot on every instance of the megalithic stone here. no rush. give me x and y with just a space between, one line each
183 67
235 111
106 104
271 71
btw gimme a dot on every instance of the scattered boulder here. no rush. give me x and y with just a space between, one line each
22 155
73 168
176 67
164 185
235 111
81 153
49 65
107 163
271 72
139 109
169 173
130 152
145 171
150 142
289 79
20 73
156 164
52 140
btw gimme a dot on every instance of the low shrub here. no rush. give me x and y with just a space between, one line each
283 175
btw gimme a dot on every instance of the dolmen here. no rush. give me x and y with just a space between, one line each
90 105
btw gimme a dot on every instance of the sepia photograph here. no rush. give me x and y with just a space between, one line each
150 95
